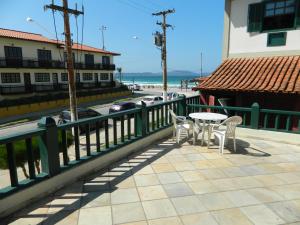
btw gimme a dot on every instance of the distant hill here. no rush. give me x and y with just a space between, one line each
170 73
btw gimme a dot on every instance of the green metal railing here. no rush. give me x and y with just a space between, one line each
256 118
61 147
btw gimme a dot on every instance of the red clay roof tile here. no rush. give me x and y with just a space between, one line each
39 38
264 74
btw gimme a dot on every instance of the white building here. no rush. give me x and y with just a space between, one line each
31 63
261 56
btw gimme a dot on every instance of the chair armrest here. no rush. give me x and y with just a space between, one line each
181 118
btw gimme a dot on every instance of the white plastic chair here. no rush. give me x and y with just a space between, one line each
223 134
180 124
199 128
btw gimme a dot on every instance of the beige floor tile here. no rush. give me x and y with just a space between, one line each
95 215
123 182
211 155
146 180
124 196
225 184
166 221
221 163
169 178
183 166
142 170
189 176
215 201
65 203
265 195
260 214
199 219
163 168
188 205
234 172
241 198
95 199
289 211
203 164
130 212
177 190
289 192
247 182
159 209
63 218
271 168
136 223
268 180
289 178
213 173
194 157
151 192
289 167
231 217
203 187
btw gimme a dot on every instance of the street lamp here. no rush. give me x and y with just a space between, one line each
30 20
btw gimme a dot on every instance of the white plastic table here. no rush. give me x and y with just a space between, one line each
207 118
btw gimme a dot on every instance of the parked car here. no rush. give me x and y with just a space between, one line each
122 106
171 95
134 87
65 116
150 100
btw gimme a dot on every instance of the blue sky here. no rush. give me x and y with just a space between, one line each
198 28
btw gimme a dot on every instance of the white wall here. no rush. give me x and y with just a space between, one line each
243 42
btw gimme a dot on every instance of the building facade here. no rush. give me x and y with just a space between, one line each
33 64
261 56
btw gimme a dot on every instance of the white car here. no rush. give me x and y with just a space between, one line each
150 100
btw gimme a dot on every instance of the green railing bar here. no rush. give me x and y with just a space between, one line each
12 165
288 123
153 119
280 112
98 143
166 115
277 121
106 134
87 140
77 143
266 120
115 131
30 158
244 119
148 121
242 109
162 116
129 126
122 129
135 125
157 117
64 146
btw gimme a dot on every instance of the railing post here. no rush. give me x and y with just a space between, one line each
182 106
49 146
255 116
142 120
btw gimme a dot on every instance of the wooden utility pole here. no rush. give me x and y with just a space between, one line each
70 66
103 28
164 27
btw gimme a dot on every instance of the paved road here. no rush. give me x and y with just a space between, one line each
103 109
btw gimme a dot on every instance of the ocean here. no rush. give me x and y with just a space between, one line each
156 80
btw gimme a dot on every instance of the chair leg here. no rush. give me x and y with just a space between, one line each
234 144
222 142
209 137
178 133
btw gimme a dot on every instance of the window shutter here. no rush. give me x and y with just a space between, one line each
297 16
255 17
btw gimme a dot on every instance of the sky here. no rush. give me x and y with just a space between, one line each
198 27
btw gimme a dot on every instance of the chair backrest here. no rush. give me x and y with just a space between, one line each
173 115
231 124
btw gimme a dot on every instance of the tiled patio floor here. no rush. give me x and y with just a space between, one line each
172 184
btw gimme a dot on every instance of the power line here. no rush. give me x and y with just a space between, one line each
141 5
135 7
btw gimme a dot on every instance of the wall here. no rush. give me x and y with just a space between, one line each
243 43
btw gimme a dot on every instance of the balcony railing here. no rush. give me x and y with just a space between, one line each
50 64
112 132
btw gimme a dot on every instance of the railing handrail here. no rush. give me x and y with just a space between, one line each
281 112
245 109
21 135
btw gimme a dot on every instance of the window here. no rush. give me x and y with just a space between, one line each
276 39
106 60
273 15
44 55
13 52
64 76
8 78
89 59
87 76
42 77
104 76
